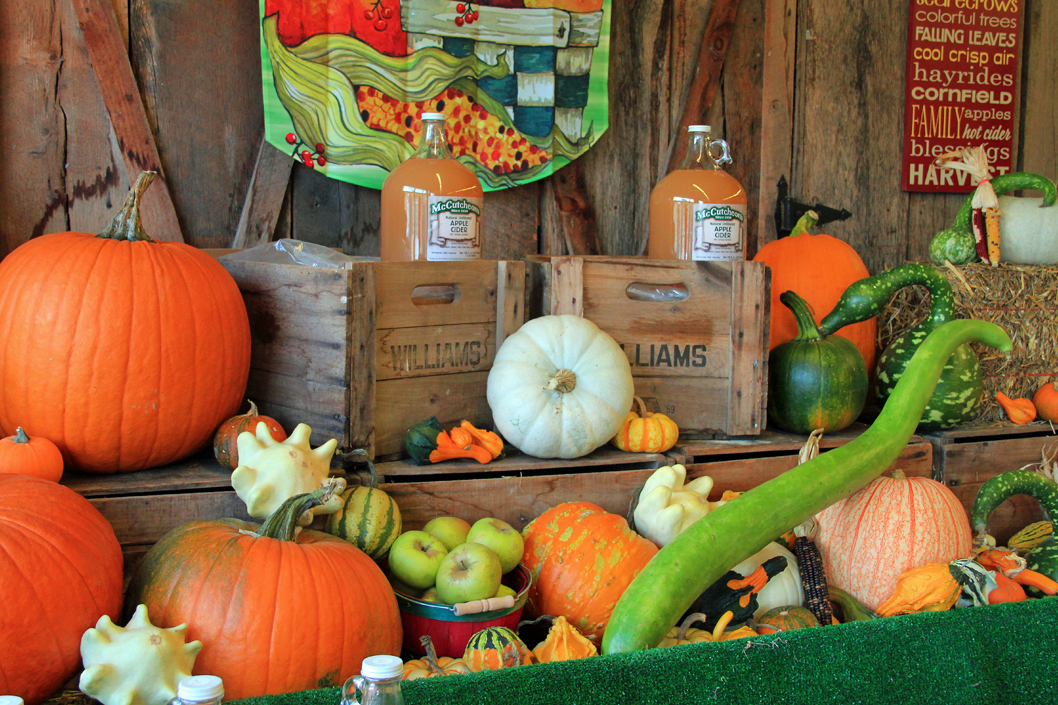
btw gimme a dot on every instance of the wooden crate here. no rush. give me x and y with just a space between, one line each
353 354
144 506
701 360
965 458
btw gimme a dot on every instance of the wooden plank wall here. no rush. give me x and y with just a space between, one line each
811 89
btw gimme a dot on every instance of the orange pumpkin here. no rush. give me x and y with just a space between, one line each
819 268
896 523
225 440
582 558
37 457
646 432
60 571
125 352
275 612
1046 402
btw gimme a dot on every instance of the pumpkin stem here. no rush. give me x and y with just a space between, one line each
806 221
253 408
431 655
642 407
681 635
126 224
283 522
373 484
20 436
806 324
898 474
563 381
810 449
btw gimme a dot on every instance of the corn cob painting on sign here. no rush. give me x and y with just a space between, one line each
522 83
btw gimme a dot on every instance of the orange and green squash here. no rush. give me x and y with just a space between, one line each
125 352
784 619
646 432
368 518
581 558
60 571
814 381
236 584
496 647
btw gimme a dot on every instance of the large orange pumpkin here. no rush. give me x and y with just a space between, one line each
274 613
582 558
819 268
125 352
60 571
892 525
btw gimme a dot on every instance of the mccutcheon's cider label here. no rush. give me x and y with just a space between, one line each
718 232
454 233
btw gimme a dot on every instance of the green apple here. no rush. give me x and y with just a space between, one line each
431 595
452 530
415 558
501 537
470 571
504 591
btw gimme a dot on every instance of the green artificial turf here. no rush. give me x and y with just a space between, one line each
997 654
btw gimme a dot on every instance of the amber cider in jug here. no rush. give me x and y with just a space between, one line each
698 212
431 204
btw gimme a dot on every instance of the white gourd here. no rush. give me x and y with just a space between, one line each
271 472
559 387
667 506
1028 233
784 589
139 665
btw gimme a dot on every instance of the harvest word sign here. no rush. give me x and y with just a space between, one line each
962 68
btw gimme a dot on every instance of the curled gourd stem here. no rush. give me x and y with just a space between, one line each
126 224
681 635
721 625
564 381
282 524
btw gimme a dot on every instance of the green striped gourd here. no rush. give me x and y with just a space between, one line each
814 381
958 393
996 490
496 647
369 518
784 619
1030 537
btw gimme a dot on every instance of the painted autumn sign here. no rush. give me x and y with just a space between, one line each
522 83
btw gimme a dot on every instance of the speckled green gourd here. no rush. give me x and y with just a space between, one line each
814 381
957 243
958 393
998 489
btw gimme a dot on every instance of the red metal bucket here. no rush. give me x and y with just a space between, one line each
450 633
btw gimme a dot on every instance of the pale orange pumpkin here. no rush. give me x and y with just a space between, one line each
125 352
870 538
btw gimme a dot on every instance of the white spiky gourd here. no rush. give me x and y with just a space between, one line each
140 664
271 471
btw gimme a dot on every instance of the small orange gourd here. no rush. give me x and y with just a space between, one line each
564 643
1018 410
1046 402
646 432
36 456
431 665
925 588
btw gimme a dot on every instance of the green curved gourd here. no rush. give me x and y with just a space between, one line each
957 244
958 392
683 569
996 490
814 381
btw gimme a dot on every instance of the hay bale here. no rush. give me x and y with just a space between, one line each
1021 299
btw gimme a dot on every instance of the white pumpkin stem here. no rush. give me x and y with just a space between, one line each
564 381
898 474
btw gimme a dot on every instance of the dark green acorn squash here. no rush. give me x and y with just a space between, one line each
421 439
814 381
957 395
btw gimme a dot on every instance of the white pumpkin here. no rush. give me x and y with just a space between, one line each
1028 233
559 387
784 589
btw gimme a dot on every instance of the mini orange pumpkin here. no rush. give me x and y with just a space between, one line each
646 432
430 665
36 457
225 440
1046 402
